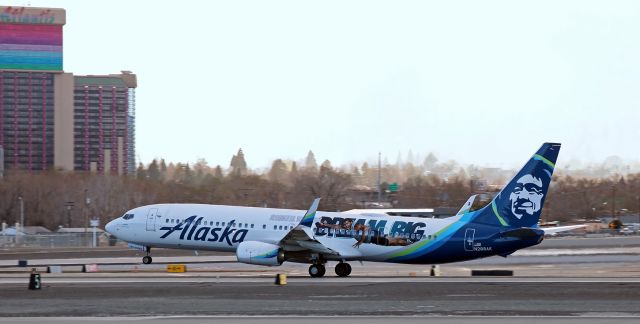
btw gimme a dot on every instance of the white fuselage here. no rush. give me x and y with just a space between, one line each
223 228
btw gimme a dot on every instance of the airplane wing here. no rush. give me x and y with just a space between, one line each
558 229
301 237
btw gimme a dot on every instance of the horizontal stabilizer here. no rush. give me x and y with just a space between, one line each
523 233
558 229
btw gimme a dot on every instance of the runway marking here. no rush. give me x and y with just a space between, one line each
343 296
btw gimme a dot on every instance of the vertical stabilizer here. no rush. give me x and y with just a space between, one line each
520 202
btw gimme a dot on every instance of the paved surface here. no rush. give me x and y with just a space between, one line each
599 282
599 265
338 297
338 319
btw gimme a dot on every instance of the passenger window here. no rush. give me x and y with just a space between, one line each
275 227
264 226
280 227
251 225
217 223
167 221
240 225
222 223
198 222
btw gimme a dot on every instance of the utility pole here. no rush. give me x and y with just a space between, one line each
21 218
613 202
85 210
638 199
69 205
379 176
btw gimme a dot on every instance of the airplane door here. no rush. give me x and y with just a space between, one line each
469 235
151 219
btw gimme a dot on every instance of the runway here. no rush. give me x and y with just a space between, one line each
339 319
562 284
317 297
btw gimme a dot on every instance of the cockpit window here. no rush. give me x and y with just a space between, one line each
127 216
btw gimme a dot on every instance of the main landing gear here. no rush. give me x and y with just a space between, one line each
343 269
147 258
318 270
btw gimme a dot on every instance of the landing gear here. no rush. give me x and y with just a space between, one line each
147 258
343 269
317 270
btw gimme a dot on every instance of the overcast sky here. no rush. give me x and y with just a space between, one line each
482 82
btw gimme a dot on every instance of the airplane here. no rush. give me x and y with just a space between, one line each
268 236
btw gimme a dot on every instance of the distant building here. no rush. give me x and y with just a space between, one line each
103 123
50 119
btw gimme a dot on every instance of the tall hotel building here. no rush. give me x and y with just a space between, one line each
51 119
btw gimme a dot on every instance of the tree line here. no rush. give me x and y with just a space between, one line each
52 199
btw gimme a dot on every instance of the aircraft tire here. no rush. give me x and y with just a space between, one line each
147 259
317 270
343 269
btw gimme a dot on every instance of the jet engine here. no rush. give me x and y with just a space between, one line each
254 252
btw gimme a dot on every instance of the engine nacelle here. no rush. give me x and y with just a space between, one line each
254 252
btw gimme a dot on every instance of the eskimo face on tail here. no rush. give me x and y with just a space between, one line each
526 197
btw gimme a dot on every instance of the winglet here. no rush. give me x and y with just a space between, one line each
307 220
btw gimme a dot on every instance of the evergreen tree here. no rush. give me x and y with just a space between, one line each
163 166
430 162
141 173
238 164
326 165
278 172
410 157
310 162
218 172
153 171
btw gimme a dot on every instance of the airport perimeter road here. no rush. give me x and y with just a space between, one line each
337 297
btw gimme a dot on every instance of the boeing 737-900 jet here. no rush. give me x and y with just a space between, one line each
267 236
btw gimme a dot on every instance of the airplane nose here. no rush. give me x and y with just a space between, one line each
110 227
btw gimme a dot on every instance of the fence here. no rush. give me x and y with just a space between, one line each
55 240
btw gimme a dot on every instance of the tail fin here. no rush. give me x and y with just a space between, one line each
520 202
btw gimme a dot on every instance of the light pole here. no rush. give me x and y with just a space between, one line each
87 202
638 199
69 205
21 217
613 202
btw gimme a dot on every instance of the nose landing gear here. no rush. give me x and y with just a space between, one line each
147 258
